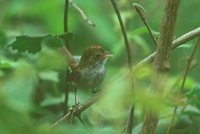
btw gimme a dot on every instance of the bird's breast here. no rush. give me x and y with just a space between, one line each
90 77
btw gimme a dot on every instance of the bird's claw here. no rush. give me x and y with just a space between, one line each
75 107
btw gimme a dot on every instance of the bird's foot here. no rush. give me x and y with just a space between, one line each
76 105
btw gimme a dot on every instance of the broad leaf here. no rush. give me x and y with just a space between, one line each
28 43
33 44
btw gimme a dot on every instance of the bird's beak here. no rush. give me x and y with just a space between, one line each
107 54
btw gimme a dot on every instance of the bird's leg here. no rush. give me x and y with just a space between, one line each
76 97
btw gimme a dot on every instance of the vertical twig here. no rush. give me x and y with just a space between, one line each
66 10
186 72
129 124
128 50
66 16
127 44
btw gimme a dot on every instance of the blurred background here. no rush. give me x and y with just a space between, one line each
32 84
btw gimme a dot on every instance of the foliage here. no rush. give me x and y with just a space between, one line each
33 44
32 69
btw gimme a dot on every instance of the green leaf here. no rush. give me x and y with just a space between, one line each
66 36
192 111
139 31
52 41
137 129
194 91
194 96
49 59
19 86
55 41
27 43
135 35
49 101
33 44
184 122
49 75
13 121
3 39
6 64
141 42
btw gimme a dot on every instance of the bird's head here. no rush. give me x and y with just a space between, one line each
94 55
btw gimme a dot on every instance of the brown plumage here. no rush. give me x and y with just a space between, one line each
90 70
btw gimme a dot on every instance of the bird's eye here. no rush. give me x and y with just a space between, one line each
97 55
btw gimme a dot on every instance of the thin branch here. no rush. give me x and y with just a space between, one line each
66 10
85 18
66 16
129 124
176 43
186 37
67 49
186 72
172 120
140 10
128 50
80 108
189 65
127 44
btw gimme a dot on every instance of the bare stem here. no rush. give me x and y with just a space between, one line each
140 10
128 50
161 62
189 64
186 37
66 10
65 22
85 18
66 48
127 44
129 123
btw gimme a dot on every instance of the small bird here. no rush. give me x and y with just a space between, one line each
88 71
